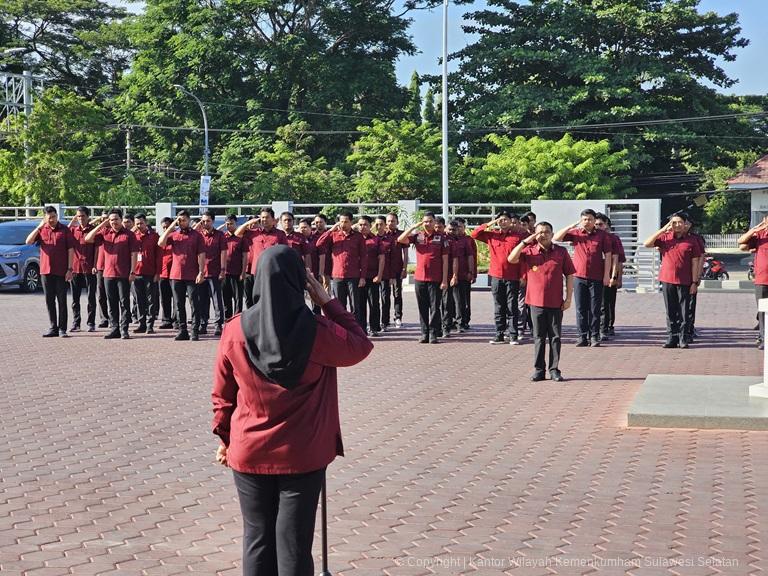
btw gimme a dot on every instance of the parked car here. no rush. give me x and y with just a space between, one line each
19 263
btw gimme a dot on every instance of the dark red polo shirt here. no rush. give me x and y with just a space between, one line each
298 242
677 256
462 251
185 245
385 240
150 258
234 254
315 252
395 260
759 242
347 253
118 247
271 430
545 270
618 248
257 240
430 249
588 252
469 248
84 258
54 249
213 244
373 248
455 250
500 245
166 261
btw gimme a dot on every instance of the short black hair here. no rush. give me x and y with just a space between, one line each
268 210
532 215
681 214
346 214
381 217
50 210
589 212
395 215
525 219
140 216
286 213
454 223
544 223
440 220
307 221
366 218
322 216
129 216
231 218
513 216
428 215
504 214
84 209
210 214
166 220
603 217
461 220
183 213
116 211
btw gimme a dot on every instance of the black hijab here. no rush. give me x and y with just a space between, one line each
279 328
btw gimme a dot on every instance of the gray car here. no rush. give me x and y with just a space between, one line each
19 263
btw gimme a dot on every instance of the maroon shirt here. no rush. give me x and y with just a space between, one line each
185 245
677 256
545 270
315 252
347 253
214 243
234 254
759 243
257 240
618 248
166 261
54 249
396 260
388 243
298 242
117 248
150 258
500 245
271 430
430 249
373 249
85 253
588 251
468 248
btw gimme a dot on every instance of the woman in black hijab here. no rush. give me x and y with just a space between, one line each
275 404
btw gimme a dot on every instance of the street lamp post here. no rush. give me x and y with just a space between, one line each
445 110
206 150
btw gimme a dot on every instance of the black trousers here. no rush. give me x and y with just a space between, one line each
525 310
55 290
166 301
79 283
692 319
609 308
588 296
448 308
761 292
119 301
428 299
248 290
101 297
278 522
232 290
462 293
391 289
547 328
370 299
145 290
347 292
183 290
677 300
210 292
506 314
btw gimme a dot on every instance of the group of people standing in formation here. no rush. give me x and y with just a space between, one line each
363 263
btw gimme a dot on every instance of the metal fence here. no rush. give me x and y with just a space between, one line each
715 241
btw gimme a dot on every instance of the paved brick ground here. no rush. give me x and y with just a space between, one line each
456 462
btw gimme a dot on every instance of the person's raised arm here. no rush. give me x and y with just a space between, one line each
163 240
32 237
90 238
405 237
479 232
245 226
514 256
651 240
560 234
747 236
326 238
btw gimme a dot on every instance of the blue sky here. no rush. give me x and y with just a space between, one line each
748 68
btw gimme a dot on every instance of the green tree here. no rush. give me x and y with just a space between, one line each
413 105
524 169
396 159
65 135
727 212
430 114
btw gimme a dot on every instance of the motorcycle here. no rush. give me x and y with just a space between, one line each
714 269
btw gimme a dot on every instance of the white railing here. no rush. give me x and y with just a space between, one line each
715 241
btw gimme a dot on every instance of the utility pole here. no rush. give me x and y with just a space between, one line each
128 149
27 80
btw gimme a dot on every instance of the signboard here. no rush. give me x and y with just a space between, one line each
205 187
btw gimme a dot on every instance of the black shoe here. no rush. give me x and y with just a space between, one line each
582 343
684 343
217 332
462 329
447 333
166 326
595 343
183 335
75 328
91 328
52 333
112 335
140 329
434 340
424 340
671 344
150 329
499 339
126 336
556 375
688 339
611 331
760 346
537 377
195 336
63 334
104 324
202 330
604 337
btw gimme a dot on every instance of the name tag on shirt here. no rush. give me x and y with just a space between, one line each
138 259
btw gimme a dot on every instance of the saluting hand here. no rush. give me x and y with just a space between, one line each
316 291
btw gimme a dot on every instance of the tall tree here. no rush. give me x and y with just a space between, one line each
430 113
413 105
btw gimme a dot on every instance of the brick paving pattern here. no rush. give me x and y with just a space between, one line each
456 463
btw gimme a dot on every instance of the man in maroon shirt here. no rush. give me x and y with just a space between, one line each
83 275
756 240
215 245
320 224
448 297
121 251
187 271
690 328
397 265
608 311
593 260
679 275
233 282
258 234
505 277
431 273
349 266
164 283
375 252
465 274
56 255
295 239
101 290
315 254
148 264
546 264
247 263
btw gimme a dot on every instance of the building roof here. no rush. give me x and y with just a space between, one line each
755 174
